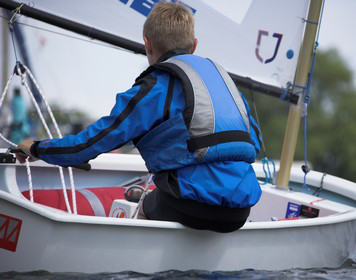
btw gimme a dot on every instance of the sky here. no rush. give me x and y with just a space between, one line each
85 76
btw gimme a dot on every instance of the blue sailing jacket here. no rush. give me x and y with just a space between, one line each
192 127
214 125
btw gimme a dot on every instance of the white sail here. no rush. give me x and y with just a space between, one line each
264 46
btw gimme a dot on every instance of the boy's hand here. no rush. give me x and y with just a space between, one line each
25 146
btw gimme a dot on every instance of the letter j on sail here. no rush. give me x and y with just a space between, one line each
9 232
262 33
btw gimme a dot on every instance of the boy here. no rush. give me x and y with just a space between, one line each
190 124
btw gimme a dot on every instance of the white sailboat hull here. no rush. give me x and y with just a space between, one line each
35 237
58 242
53 240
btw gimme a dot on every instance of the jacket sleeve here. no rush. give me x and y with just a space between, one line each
254 129
136 111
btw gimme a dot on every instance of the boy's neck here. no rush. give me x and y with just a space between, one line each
171 53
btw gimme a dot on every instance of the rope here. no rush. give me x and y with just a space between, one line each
90 41
13 41
318 190
23 74
265 161
7 141
305 167
266 169
3 95
24 82
16 11
29 178
258 122
10 22
70 170
288 91
6 89
145 192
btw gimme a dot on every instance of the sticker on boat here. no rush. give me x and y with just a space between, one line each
119 213
122 208
293 210
9 232
309 212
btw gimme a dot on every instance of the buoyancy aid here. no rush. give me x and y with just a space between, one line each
214 126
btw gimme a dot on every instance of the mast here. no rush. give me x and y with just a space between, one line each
291 134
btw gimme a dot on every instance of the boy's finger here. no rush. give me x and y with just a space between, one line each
20 158
31 159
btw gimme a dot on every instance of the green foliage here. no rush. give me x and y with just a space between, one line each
331 131
332 116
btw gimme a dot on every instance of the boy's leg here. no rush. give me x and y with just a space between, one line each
154 208
141 215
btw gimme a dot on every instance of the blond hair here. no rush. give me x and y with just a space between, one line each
170 26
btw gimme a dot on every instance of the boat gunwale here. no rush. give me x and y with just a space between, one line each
61 216
135 163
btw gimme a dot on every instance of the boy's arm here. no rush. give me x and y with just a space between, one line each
134 113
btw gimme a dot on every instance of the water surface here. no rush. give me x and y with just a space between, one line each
346 271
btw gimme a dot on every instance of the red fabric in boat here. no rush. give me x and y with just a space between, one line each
55 199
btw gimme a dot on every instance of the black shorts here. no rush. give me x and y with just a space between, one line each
163 207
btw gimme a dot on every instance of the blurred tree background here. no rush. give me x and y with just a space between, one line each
69 121
331 131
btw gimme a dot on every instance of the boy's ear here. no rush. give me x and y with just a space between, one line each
194 46
148 45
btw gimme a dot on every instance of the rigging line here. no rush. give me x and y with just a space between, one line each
2 98
305 167
289 90
16 11
44 98
318 190
13 41
23 74
265 161
258 122
28 170
28 72
10 23
144 194
70 36
29 178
